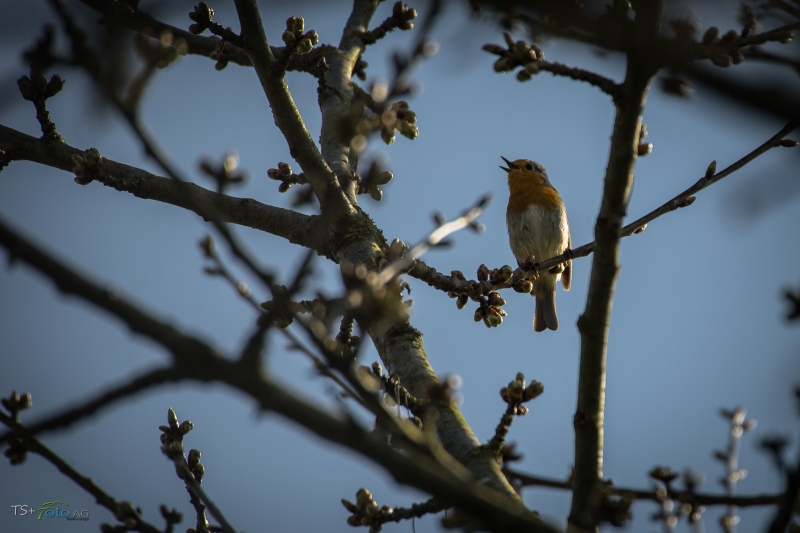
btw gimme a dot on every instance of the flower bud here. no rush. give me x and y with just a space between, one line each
504 64
483 273
495 49
295 25
711 36
312 36
288 37
496 299
712 169
304 46
387 135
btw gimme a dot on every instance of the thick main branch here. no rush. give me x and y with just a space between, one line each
593 324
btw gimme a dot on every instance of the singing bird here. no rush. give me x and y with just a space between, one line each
537 225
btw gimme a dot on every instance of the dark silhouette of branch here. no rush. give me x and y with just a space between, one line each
101 401
198 361
788 502
124 512
528 480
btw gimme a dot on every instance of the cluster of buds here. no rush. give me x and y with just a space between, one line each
396 393
225 173
303 43
203 17
403 15
721 52
366 512
172 516
385 256
88 166
284 174
370 183
360 69
518 53
283 313
490 306
490 310
16 452
670 513
161 52
664 474
36 87
399 117
496 276
517 393
17 402
615 509
126 513
172 435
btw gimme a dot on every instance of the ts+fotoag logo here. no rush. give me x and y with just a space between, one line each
54 509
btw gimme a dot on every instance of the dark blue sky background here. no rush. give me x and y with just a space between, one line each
697 322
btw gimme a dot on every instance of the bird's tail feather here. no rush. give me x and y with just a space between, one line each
545 315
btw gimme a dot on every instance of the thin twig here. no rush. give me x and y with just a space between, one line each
476 289
124 512
435 238
194 486
101 401
529 480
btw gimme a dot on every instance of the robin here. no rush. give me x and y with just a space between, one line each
537 225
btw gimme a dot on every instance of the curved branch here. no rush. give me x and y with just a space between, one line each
201 362
121 511
292 226
85 409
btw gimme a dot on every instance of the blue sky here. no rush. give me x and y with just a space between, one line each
696 325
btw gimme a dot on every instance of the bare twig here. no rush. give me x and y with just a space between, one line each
101 401
198 361
528 480
474 288
285 223
435 238
124 512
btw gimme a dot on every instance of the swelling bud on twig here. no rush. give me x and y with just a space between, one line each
712 169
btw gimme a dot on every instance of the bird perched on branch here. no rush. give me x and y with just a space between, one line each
537 225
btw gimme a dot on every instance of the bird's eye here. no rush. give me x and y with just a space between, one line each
529 166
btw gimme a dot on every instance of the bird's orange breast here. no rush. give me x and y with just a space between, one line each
523 193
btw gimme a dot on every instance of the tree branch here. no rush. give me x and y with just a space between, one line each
101 401
292 226
200 362
124 512
287 116
528 480
594 322
473 288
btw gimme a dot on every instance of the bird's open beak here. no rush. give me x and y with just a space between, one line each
511 166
